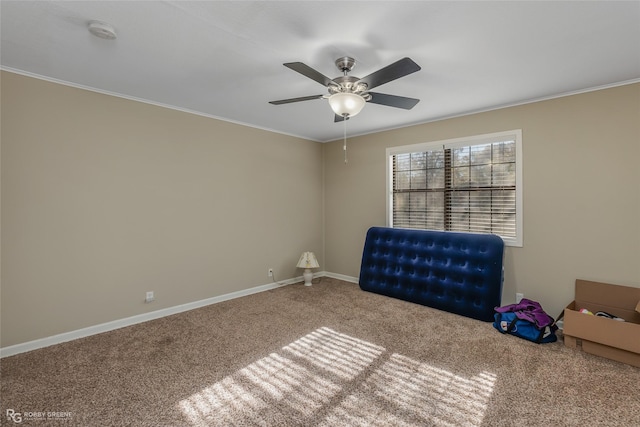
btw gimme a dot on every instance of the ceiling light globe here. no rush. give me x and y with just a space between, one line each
346 104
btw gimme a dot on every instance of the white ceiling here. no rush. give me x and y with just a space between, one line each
224 59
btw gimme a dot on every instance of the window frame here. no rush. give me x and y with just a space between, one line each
516 134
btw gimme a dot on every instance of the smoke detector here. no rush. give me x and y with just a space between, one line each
102 30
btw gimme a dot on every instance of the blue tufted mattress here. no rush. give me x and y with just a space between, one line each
456 272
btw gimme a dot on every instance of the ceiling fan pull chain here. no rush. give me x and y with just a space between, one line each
344 147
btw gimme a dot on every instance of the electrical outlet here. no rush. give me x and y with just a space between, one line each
149 297
270 272
519 297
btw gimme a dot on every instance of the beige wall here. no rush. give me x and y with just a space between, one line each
581 186
104 199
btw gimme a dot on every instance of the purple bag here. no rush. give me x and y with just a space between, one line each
529 310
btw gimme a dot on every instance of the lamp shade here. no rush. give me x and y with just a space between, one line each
346 104
308 260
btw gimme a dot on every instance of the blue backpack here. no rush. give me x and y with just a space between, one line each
526 320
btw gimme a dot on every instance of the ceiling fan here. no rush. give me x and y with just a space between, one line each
348 94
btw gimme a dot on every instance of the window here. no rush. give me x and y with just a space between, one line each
469 184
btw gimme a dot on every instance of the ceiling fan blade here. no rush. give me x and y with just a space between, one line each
393 100
290 100
307 71
398 69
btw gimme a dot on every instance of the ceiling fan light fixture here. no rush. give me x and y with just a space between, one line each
346 104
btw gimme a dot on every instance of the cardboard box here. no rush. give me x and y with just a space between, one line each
601 336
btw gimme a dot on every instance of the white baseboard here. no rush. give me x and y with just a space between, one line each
128 321
341 277
140 318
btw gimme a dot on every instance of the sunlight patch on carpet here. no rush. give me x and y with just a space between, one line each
337 379
404 391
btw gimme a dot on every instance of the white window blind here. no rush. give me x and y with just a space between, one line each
470 185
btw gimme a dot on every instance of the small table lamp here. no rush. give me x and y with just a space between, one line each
307 261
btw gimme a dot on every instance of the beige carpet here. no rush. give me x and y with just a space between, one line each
326 355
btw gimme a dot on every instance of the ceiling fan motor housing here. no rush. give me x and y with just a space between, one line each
348 84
